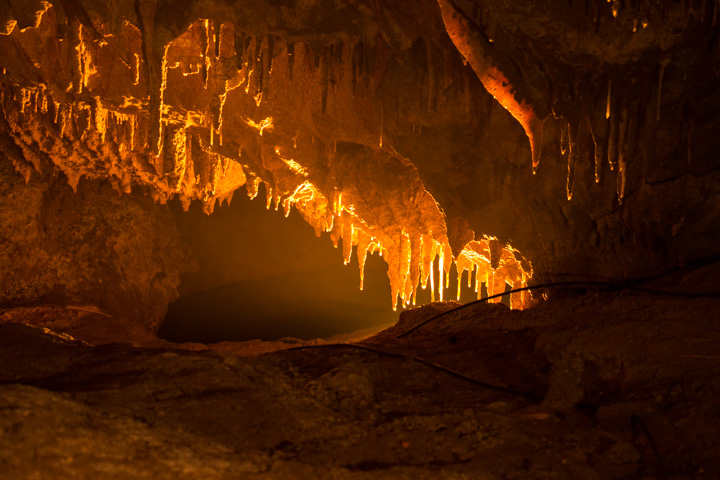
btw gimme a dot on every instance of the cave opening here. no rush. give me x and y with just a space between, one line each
261 275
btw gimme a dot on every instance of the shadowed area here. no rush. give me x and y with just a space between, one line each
264 276
309 304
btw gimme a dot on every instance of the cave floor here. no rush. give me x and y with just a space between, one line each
596 386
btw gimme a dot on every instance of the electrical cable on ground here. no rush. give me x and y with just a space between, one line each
415 358
454 373
611 285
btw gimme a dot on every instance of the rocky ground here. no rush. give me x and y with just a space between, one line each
617 385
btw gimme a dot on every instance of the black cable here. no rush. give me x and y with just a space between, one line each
615 286
515 290
417 359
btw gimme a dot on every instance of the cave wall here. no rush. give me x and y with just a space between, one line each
93 248
399 127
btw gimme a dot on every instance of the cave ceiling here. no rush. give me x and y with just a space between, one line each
537 138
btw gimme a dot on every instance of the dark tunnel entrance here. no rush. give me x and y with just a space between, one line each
264 276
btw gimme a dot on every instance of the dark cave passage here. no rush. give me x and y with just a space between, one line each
264 276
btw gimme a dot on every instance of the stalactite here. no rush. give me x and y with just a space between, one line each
76 39
205 49
44 104
663 63
382 115
466 91
431 74
239 50
267 66
257 71
216 41
499 284
440 276
598 131
169 133
248 63
428 254
609 97
405 287
622 154
324 77
612 141
355 65
572 128
101 119
269 197
364 241
415 259
479 53
564 137
63 119
290 59
179 152
370 59
347 235
338 60
447 262
689 141
362 68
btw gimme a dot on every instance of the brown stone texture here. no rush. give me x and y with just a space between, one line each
601 386
527 141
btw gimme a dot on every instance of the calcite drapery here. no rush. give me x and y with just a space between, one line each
216 108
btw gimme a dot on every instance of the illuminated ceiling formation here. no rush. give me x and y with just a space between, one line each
380 122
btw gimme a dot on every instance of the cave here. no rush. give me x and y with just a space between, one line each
360 239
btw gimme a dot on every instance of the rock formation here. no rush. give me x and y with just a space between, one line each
518 142
378 123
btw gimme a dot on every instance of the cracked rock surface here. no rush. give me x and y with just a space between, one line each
483 392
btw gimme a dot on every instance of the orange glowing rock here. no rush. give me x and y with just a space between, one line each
175 121
476 51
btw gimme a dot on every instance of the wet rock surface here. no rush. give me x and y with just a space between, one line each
603 385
